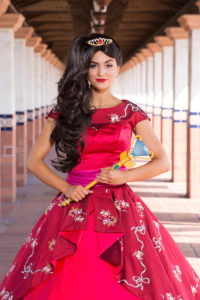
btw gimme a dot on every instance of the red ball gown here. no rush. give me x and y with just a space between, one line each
107 246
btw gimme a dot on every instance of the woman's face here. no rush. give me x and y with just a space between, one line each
102 71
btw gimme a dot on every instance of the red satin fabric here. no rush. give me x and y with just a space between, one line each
108 135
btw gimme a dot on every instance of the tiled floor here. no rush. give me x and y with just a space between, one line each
181 216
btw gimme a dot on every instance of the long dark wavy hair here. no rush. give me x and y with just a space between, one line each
73 100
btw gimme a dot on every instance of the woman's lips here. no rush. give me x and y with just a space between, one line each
100 80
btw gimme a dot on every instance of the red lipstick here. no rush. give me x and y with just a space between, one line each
100 80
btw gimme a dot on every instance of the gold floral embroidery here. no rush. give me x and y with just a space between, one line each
52 244
121 205
77 214
107 218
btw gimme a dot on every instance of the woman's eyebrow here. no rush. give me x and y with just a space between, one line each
105 61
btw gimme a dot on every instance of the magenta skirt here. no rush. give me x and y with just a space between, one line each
82 275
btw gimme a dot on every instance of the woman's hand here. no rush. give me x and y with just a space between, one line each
109 176
77 192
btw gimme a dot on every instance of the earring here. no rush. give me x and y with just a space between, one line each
116 73
89 83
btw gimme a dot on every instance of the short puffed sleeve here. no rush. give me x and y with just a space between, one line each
53 114
137 115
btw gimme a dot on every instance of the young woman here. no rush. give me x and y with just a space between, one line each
106 243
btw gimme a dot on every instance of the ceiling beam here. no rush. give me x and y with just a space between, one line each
149 5
136 26
55 26
50 17
171 22
142 17
45 6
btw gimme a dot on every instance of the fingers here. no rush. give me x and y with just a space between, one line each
79 193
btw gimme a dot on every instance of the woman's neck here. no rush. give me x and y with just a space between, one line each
102 99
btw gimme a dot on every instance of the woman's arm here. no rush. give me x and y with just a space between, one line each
40 150
159 164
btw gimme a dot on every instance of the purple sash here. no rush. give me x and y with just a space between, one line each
83 177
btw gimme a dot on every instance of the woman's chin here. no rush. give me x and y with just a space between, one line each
101 88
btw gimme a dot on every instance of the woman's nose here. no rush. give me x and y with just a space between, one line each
101 71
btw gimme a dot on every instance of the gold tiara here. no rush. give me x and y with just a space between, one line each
99 41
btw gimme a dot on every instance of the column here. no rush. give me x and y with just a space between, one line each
191 23
180 100
36 88
3 8
123 69
157 87
149 82
167 93
9 23
142 60
128 82
31 44
21 35
42 87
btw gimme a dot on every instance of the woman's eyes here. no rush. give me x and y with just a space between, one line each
108 66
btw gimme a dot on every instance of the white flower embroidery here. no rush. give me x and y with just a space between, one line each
121 205
177 272
52 244
34 243
114 118
194 288
139 254
168 296
139 280
11 269
5 295
140 208
77 214
157 241
28 267
47 269
28 239
60 199
107 218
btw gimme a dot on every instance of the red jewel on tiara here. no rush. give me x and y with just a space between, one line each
100 41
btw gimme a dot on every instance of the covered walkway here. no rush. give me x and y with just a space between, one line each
160 42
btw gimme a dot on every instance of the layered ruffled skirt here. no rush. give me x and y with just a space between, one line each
107 246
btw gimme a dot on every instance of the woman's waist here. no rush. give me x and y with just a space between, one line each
84 177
